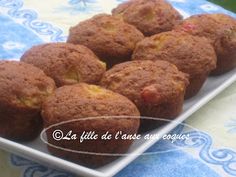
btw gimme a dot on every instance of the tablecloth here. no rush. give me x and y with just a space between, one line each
30 22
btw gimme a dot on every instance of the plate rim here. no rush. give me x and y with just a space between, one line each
41 157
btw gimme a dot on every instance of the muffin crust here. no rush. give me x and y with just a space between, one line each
66 63
110 38
150 17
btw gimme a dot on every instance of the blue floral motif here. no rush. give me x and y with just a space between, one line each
29 19
81 6
231 125
203 142
13 41
120 1
84 2
32 169
169 164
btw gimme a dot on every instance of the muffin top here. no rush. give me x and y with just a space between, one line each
66 63
145 81
191 54
83 100
108 36
220 29
23 87
150 17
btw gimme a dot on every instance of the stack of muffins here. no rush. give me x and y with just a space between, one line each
155 61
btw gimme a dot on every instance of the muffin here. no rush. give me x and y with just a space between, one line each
110 38
157 88
220 29
191 54
149 16
81 101
66 63
23 88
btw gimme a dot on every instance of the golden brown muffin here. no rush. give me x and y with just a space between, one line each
83 101
110 38
191 54
220 29
23 88
66 63
157 88
149 16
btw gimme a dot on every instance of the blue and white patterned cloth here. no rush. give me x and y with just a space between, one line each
30 22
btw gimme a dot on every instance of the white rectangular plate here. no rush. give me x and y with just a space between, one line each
37 150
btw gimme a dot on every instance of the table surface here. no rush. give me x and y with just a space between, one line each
213 155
